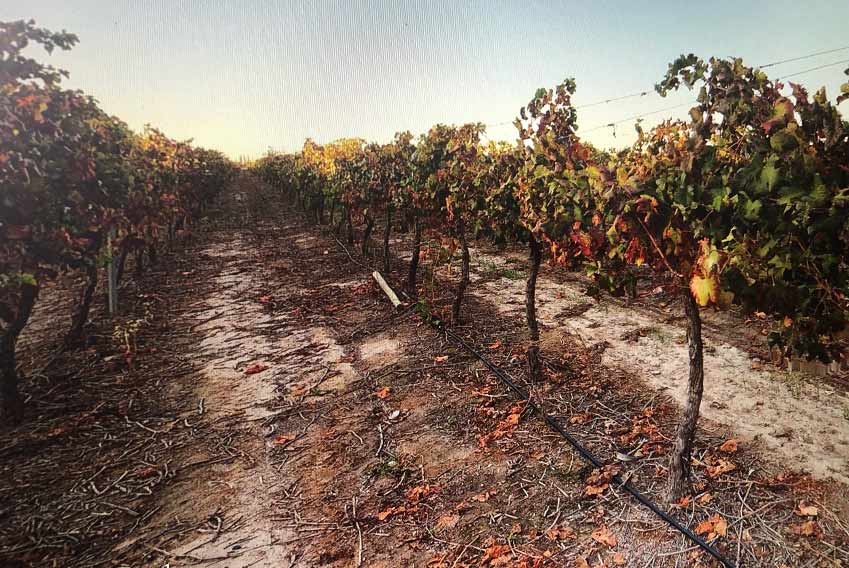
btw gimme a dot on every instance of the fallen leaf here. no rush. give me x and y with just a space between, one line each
560 532
598 480
382 393
618 558
447 521
283 439
147 472
592 490
605 536
729 446
441 359
704 499
484 497
392 511
581 562
720 466
421 492
806 509
255 368
512 419
494 346
713 527
496 555
504 427
808 528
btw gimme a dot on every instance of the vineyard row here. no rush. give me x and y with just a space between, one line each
746 202
73 177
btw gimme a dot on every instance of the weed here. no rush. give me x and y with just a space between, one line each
794 383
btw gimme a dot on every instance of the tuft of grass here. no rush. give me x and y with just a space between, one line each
512 274
490 269
386 468
487 266
794 382
659 335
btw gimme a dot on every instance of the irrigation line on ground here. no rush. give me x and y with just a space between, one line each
574 442
583 451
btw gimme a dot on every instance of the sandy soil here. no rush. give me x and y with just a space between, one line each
799 423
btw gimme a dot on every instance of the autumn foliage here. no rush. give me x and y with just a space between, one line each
745 202
71 176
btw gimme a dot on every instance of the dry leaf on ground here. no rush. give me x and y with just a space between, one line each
712 527
448 521
808 528
806 509
255 368
605 536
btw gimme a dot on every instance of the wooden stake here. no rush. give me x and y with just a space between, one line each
385 287
112 275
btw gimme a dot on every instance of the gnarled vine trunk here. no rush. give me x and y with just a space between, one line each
414 258
464 272
12 325
332 212
74 337
139 269
151 254
386 231
534 369
350 226
367 233
679 461
122 259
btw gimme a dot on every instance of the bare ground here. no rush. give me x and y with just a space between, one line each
799 422
275 411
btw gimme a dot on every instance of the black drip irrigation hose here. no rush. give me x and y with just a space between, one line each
585 453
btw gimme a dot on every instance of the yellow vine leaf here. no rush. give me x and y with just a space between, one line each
704 290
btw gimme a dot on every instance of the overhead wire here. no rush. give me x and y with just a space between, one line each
665 109
792 59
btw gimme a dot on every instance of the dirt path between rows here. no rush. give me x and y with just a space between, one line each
248 354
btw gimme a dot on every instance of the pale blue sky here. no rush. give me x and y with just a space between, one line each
245 76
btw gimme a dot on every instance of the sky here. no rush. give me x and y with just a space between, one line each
248 76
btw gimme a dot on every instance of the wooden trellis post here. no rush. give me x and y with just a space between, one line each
112 274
